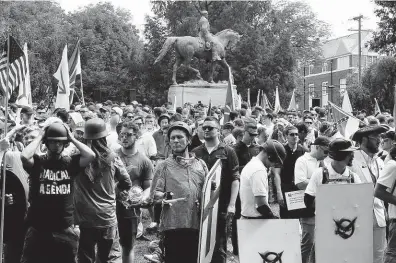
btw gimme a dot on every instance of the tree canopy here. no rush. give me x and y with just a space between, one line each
384 38
114 59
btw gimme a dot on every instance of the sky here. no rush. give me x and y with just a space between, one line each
337 13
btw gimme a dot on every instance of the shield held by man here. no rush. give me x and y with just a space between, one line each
344 223
209 212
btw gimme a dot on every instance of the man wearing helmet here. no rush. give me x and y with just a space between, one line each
95 198
140 170
50 216
180 177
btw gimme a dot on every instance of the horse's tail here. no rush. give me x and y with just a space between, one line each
165 48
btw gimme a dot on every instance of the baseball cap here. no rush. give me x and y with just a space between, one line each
27 110
117 110
229 126
341 145
321 141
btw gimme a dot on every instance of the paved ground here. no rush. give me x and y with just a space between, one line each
142 246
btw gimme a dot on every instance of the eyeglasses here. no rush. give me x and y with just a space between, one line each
308 122
293 134
127 134
208 128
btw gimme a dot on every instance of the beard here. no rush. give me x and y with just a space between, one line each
372 147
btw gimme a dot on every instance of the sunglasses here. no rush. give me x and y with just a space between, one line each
293 134
208 128
129 117
127 134
308 122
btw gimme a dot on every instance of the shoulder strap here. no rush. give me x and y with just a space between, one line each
352 178
325 178
316 134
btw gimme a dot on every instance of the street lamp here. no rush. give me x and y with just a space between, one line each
331 87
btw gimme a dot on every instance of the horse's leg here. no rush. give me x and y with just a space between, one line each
211 72
197 73
176 66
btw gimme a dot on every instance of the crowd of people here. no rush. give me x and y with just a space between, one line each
77 180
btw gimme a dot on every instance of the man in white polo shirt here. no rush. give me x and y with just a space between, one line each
385 191
303 170
254 181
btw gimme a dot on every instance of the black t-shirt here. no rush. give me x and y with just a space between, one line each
287 172
51 192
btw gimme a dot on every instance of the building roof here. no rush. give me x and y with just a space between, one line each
345 45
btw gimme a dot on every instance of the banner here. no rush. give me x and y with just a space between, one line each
209 209
62 76
344 223
274 240
277 106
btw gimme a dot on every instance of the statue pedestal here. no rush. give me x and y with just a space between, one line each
204 92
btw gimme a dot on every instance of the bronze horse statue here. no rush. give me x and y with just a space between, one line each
187 47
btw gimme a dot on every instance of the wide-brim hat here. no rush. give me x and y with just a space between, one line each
369 130
341 145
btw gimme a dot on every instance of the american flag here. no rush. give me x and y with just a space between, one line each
74 69
18 67
346 123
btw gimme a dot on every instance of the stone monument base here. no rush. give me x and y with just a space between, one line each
200 91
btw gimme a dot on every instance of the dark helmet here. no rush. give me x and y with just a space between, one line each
162 117
275 150
95 129
181 126
56 131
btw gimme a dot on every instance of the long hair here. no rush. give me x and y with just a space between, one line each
103 158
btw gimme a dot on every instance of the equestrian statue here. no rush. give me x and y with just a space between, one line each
206 46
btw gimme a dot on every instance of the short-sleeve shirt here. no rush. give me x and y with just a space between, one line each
387 178
140 169
317 179
304 168
51 192
253 182
229 170
146 145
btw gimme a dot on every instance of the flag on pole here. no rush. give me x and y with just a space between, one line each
258 98
174 105
62 76
18 67
248 98
239 101
209 113
267 103
292 104
74 69
229 102
377 109
277 106
25 91
346 123
346 103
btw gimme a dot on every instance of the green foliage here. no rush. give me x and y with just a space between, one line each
274 37
384 38
359 95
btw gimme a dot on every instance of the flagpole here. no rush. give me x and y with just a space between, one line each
4 156
82 93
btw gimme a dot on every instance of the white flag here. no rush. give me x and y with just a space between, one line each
277 106
346 103
25 92
62 75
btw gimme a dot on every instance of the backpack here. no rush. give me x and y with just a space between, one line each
326 179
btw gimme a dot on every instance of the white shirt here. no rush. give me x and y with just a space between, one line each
317 177
360 166
269 129
387 178
146 145
304 168
253 182
112 139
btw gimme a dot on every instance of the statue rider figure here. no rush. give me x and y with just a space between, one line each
204 33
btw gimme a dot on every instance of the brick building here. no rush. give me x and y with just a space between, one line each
326 79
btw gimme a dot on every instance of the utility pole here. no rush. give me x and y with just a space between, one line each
359 19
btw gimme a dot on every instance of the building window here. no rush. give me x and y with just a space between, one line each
325 95
324 66
310 69
343 63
